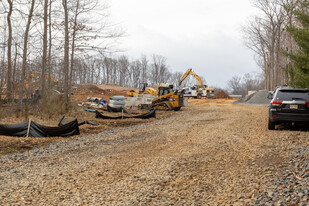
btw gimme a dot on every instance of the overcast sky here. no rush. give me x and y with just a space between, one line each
200 34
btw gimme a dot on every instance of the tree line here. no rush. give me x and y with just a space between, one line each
241 85
71 41
278 37
53 37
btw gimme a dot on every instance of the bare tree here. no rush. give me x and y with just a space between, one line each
264 35
73 42
123 70
9 53
135 73
234 85
66 55
175 77
44 52
49 61
145 68
25 52
158 69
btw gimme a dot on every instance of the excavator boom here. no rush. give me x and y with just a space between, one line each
188 72
199 90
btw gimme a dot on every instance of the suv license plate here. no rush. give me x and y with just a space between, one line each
293 106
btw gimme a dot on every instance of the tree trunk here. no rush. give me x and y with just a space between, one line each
44 56
49 47
9 54
2 73
66 55
24 63
73 47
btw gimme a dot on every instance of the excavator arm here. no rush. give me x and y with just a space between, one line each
188 72
184 76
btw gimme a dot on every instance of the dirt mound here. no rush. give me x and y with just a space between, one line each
102 91
89 87
257 98
113 87
221 95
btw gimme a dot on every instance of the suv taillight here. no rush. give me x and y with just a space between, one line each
307 103
277 103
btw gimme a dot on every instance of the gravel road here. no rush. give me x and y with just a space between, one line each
207 154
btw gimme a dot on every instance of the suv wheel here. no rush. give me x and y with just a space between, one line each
271 125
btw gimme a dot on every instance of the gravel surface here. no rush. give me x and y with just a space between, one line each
292 186
207 154
257 98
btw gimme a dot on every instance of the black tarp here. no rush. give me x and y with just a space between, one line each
19 130
147 115
63 122
37 130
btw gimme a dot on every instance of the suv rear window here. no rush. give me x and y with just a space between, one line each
289 95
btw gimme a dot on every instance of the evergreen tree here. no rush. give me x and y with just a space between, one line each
300 60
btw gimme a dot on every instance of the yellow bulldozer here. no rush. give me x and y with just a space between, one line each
145 90
168 99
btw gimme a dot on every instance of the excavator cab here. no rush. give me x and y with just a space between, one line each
144 85
165 90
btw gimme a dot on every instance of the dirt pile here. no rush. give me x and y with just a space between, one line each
221 95
102 91
114 87
257 98
89 88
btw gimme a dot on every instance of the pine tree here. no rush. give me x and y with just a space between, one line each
300 60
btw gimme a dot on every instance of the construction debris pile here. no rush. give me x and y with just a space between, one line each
117 102
256 98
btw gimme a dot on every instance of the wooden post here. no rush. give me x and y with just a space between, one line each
28 128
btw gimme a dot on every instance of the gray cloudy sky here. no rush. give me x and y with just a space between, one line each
200 34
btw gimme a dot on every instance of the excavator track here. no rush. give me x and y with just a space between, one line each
162 106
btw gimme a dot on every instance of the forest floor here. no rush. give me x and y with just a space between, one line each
212 152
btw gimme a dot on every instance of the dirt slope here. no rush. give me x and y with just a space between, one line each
215 154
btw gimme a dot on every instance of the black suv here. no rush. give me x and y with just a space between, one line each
288 105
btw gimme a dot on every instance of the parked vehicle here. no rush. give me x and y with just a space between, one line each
288 105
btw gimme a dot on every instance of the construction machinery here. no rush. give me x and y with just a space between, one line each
35 77
168 99
145 90
210 92
33 84
197 91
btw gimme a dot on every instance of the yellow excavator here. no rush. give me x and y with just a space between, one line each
145 90
168 99
200 90
34 77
